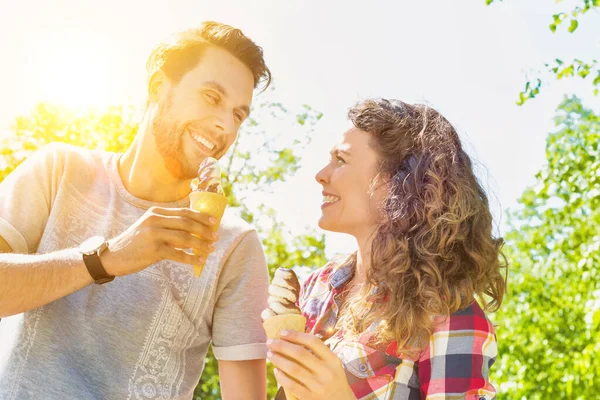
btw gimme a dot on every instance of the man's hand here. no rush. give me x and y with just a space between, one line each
161 234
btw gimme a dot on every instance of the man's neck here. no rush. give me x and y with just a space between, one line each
144 173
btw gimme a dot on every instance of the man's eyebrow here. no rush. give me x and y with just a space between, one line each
218 87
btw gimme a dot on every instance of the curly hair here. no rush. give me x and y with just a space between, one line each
434 251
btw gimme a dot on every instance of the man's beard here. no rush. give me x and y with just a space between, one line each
167 136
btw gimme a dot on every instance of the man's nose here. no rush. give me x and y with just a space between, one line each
224 123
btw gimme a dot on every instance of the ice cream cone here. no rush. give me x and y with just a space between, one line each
291 322
212 204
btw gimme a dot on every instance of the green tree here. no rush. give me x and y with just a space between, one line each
261 158
549 340
561 69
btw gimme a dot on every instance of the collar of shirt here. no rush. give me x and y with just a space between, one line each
340 277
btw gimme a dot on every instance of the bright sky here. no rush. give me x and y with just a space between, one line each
466 59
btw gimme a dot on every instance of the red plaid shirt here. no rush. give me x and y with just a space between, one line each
454 365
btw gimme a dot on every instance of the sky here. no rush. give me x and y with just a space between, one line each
466 59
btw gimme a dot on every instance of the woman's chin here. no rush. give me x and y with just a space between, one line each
328 225
324 223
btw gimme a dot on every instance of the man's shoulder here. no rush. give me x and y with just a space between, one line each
71 152
233 225
62 157
235 233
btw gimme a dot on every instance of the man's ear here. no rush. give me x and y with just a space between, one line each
156 85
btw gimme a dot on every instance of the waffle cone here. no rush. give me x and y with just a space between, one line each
291 322
212 204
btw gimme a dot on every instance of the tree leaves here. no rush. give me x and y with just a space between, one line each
574 24
574 69
548 325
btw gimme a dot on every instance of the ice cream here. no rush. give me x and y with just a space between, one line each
282 312
283 294
209 177
207 196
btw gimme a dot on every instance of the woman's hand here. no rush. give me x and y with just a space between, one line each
316 371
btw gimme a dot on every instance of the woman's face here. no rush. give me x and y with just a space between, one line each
349 195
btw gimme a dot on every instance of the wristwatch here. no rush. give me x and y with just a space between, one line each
91 249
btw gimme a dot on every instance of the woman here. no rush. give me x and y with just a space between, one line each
399 318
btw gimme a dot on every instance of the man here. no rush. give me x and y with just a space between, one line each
72 219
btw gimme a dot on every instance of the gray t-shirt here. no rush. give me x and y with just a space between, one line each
142 336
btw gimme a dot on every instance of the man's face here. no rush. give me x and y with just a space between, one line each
200 115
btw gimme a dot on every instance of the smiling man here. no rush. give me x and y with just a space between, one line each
90 246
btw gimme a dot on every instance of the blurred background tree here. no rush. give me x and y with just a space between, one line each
549 324
259 159
560 69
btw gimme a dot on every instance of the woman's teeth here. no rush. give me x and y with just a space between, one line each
202 140
330 199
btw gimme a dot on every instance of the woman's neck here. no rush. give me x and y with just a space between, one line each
363 256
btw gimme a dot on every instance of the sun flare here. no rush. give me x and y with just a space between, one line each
69 71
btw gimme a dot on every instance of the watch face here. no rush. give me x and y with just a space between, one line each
91 245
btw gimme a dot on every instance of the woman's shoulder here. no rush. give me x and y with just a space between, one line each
471 318
466 331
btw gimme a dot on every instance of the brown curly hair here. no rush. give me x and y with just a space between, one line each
434 251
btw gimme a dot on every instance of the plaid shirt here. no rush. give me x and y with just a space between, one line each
454 365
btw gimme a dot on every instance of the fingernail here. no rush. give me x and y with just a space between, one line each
212 220
269 354
211 247
284 333
215 235
275 371
269 342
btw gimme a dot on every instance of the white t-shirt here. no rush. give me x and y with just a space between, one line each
142 336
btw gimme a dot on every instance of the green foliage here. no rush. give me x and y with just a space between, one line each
559 68
557 19
549 333
110 129
562 70
259 159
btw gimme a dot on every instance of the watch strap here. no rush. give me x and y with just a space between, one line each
95 267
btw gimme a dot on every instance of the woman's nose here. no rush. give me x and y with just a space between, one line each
322 176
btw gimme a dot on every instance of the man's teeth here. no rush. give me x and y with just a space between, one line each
202 140
330 199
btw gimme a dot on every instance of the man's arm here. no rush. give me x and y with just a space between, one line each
238 338
32 280
28 281
243 379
